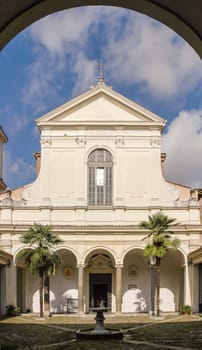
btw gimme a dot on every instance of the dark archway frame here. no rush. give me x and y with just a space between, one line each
182 16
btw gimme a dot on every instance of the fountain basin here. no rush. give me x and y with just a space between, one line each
99 332
90 333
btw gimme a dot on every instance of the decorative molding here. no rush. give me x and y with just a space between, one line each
119 141
81 141
68 272
100 262
46 142
132 271
155 141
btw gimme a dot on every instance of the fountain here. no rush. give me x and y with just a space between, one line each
99 332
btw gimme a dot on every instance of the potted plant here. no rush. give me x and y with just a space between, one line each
185 309
12 310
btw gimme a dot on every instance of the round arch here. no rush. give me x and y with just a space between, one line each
130 250
99 250
16 257
172 291
180 16
182 254
70 250
105 147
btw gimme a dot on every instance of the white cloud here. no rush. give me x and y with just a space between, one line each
59 31
152 55
183 145
136 49
41 75
16 168
65 31
13 122
85 71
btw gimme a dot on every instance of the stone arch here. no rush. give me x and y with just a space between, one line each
183 254
130 249
67 248
100 274
100 146
181 18
18 260
99 250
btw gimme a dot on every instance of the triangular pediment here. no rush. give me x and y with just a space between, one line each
100 105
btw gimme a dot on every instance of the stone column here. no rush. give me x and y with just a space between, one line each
80 289
11 285
187 289
118 288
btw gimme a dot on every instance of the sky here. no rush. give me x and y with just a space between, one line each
56 59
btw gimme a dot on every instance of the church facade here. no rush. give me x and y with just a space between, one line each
99 174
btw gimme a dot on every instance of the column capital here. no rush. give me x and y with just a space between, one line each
81 265
119 266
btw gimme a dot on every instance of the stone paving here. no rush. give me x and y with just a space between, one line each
128 323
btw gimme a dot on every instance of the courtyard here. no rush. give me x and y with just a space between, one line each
141 332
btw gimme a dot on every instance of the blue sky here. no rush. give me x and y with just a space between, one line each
57 58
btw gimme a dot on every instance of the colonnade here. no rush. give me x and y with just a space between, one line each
10 278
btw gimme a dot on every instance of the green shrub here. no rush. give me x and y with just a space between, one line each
185 309
12 310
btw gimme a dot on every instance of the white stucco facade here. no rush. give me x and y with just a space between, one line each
102 247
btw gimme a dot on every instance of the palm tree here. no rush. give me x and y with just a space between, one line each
41 259
161 241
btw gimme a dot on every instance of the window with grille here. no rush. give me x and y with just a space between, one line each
100 177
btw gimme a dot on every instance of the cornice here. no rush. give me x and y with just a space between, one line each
104 229
15 206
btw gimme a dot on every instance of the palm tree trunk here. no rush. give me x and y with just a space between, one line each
41 292
158 263
153 288
47 294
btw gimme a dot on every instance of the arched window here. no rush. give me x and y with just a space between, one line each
100 164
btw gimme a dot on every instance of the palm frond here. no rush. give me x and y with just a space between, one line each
161 234
41 259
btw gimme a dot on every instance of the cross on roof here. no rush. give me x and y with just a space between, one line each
101 74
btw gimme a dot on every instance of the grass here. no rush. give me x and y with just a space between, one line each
183 334
141 332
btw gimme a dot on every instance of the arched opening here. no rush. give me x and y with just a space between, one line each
64 285
60 291
27 285
136 282
172 281
100 280
41 81
61 307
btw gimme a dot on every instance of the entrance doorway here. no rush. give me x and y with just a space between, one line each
100 290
